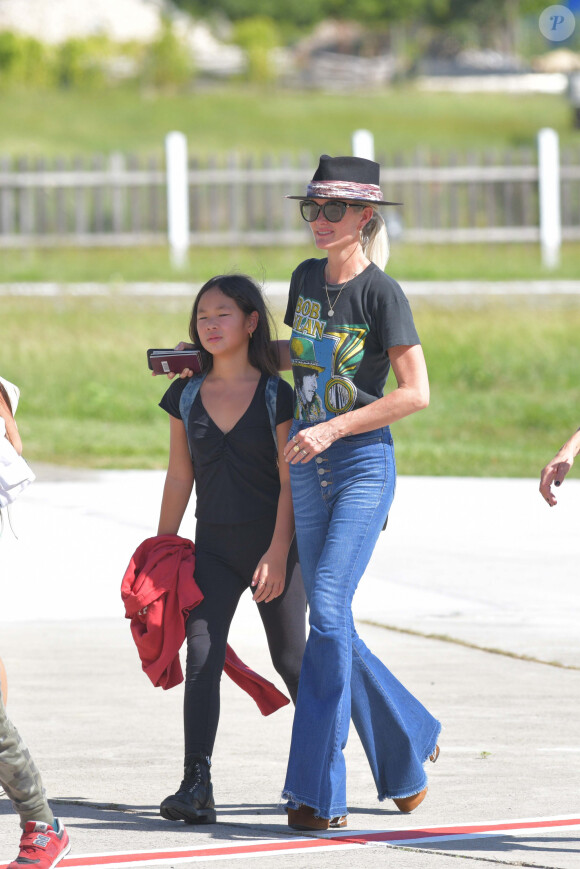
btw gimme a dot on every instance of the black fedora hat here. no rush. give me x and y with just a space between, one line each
346 178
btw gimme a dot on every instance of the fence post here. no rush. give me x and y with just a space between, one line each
549 197
177 197
363 144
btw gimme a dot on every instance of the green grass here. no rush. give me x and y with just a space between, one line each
88 398
221 118
408 262
504 382
504 388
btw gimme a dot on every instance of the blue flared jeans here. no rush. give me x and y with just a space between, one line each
341 501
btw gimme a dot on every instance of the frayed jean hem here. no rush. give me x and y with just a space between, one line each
404 794
386 795
294 802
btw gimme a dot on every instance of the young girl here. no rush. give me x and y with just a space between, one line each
245 526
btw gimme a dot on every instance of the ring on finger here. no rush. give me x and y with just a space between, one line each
304 453
294 440
296 448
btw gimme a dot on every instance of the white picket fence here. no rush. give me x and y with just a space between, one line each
238 199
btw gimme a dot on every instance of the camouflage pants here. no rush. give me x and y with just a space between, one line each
19 776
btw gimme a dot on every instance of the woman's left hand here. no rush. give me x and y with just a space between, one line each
308 443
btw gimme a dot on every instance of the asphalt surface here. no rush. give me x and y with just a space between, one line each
471 598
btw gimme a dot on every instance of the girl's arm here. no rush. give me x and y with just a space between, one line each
179 480
11 428
411 395
270 574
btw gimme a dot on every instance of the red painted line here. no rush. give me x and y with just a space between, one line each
205 852
462 830
224 851
344 840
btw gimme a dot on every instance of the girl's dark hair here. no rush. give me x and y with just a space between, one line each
248 297
6 398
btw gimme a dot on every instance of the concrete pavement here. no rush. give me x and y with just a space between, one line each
466 564
276 291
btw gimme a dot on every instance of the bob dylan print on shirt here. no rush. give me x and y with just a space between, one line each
324 363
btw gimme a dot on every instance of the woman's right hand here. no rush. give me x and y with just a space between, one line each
554 473
187 372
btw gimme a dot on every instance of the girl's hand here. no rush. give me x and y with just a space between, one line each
269 578
309 442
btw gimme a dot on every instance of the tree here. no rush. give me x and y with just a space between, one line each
301 15
477 22
488 22
295 12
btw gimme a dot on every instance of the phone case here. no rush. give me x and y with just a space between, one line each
167 361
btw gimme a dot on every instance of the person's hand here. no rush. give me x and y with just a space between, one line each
554 472
308 443
187 372
269 577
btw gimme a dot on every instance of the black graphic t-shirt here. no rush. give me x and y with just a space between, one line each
341 362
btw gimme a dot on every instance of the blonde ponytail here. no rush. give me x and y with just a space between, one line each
375 240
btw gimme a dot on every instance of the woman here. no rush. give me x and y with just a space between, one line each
245 528
350 323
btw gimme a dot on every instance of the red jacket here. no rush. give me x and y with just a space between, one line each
159 591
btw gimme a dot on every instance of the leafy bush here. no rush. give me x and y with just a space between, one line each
167 64
259 37
25 61
81 62
75 64
93 63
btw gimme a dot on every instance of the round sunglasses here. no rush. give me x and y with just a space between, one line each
333 210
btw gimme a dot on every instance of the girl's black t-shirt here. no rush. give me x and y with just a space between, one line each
236 474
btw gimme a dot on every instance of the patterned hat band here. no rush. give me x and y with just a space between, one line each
344 190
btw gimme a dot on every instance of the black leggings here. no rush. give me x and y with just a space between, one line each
226 557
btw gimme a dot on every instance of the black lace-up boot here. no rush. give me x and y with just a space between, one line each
193 802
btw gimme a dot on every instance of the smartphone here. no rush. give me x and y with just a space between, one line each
167 361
